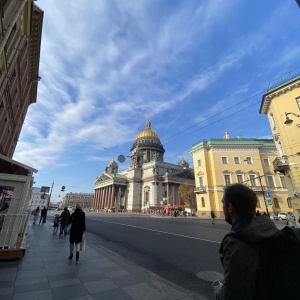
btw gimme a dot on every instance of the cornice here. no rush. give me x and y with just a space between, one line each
277 93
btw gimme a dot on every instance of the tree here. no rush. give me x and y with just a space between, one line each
186 192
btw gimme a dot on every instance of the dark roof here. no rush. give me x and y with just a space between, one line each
10 166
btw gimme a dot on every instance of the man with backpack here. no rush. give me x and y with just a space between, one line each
259 261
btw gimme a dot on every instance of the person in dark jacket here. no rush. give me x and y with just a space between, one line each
64 221
213 216
43 215
77 221
240 257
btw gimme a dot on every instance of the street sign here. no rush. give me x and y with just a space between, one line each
268 198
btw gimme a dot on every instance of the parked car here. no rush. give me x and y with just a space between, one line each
273 217
282 215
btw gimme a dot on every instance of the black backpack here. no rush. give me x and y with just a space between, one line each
279 273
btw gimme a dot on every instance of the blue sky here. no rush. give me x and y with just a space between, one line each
195 68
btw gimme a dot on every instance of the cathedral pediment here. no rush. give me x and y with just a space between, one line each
103 177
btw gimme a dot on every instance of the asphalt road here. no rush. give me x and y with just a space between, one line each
184 251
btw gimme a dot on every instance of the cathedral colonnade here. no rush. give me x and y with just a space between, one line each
172 194
110 196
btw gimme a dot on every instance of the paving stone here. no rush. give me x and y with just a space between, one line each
100 285
44 295
144 291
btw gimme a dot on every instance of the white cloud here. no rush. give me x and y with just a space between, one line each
109 65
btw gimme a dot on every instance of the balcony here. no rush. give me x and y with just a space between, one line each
258 188
280 165
200 190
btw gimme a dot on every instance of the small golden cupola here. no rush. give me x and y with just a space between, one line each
112 167
183 163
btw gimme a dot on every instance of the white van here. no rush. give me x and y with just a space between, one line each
282 215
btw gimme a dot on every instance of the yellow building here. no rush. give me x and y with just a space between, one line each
281 104
219 162
84 199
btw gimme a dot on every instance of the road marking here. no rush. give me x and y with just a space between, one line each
213 228
158 231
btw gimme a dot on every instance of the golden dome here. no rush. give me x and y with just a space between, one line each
147 132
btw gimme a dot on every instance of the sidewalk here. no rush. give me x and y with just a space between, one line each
46 273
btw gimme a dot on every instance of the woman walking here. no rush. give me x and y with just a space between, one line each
77 230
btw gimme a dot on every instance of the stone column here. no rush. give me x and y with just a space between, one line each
126 198
112 198
105 196
95 201
102 198
98 198
173 193
109 196
119 197
168 193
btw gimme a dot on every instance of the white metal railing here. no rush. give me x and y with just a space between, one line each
200 189
13 230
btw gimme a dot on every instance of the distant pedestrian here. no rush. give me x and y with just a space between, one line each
290 220
43 215
213 216
64 221
258 213
55 223
77 230
35 214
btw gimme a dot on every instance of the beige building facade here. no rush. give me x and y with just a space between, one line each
220 162
20 42
84 199
281 104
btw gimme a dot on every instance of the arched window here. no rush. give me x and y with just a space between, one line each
289 202
276 203
203 202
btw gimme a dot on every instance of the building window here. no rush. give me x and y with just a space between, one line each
272 121
289 202
248 160
203 202
199 162
266 162
237 161
258 203
282 181
252 180
240 178
298 102
270 181
227 179
276 203
201 182
224 160
12 79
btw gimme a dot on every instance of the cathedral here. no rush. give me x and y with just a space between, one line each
148 183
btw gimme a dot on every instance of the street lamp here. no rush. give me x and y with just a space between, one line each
289 121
